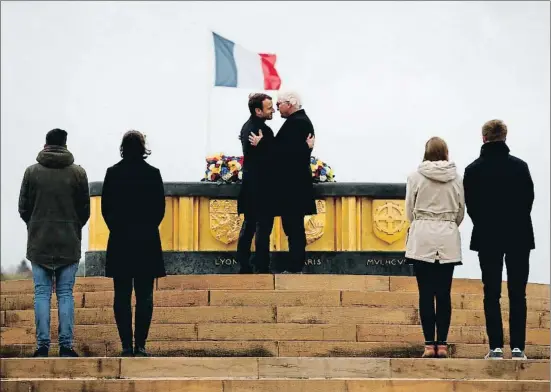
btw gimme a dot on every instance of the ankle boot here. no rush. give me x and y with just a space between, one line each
429 352
442 351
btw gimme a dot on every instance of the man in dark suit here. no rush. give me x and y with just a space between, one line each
255 198
499 194
295 196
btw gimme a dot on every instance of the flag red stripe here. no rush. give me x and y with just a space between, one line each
272 81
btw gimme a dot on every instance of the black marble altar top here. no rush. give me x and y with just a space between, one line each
230 191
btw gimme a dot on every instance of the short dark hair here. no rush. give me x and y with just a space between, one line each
255 101
56 137
133 145
494 130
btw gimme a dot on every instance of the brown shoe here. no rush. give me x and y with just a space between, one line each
442 351
429 352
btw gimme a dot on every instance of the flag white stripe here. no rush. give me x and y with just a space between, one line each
249 68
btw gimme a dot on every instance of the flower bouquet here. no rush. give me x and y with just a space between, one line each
227 169
321 171
224 169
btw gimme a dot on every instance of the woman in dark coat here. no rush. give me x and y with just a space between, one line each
133 206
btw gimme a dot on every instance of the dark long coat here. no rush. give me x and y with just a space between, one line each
295 189
255 196
499 194
133 206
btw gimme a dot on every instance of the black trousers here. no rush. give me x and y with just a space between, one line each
293 226
262 228
123 309
434 282
491 264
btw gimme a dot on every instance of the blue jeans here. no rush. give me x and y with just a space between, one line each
65 281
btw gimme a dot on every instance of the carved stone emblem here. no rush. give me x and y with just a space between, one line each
225 222
389 220
314 225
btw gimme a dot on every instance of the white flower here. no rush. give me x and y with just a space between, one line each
240 175
211 167
323 178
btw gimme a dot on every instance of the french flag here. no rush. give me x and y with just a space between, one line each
241 68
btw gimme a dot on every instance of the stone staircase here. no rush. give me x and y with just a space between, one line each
272 374
285 332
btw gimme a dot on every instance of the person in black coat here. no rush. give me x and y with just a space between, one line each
133 206
295 195
499 194
255 201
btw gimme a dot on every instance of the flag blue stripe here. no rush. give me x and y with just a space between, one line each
226 69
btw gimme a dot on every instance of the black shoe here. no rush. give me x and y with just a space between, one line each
127 352
140 352
262 270
293 272
67 352
41 352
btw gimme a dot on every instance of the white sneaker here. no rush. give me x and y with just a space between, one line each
496 353
518 354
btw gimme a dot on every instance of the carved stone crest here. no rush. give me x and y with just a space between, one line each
389 220
225 222
314 225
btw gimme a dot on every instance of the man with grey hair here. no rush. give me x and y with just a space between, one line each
295 196
499 194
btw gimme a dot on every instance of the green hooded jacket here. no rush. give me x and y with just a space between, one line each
54 202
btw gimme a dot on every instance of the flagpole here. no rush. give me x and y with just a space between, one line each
208 130
210 87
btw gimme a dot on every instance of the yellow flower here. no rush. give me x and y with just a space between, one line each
213 169
233 165
215 157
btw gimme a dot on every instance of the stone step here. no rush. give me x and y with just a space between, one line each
272 314
364 315
356 385
161 315
274 368
184 298
273 332
280 282
297 348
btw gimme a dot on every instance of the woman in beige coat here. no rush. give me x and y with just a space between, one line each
435 206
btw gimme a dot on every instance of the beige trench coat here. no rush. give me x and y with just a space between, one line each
435 206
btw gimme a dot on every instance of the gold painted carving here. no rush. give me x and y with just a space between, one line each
225 222
389 220
314 225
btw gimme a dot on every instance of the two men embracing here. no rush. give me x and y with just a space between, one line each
263 195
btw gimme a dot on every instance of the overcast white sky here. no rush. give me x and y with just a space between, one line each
377 79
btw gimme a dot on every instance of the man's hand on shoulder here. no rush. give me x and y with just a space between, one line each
311 140
255 139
